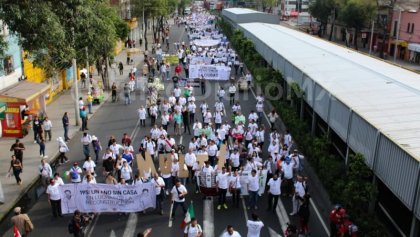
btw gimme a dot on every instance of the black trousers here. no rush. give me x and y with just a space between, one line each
159 200
272 197
176 204
16 173
236 197
56 207
222 196
191 118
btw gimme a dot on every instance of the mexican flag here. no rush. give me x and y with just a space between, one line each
16 232
190 214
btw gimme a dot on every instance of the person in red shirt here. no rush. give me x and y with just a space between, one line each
336 217
347 228
178 69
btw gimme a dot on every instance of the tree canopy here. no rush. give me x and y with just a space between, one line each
55 31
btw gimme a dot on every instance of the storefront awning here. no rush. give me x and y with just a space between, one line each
23 92
414 47
401 43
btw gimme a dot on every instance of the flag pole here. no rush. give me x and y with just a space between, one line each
170 215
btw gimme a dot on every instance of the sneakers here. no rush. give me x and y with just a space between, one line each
218 207
225 206
292 214
45 156
41 156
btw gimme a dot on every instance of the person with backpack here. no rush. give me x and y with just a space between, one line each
193 229
75 173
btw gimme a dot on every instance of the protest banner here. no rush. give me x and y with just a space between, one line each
221 156
100 198
210 72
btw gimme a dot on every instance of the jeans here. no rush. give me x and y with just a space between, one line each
63 157
168 183
84 123
192 115
86 150
16 173
176 204
90 107
47 134
56 207
96 154
127 99
66 132
212 160
236 196
159 200
253 198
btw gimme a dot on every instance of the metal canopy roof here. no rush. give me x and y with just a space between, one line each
245 15
385 95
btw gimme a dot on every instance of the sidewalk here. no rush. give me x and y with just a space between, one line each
31 159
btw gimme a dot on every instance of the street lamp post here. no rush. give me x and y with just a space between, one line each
371 37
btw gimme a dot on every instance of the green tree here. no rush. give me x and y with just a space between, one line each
54 32
355 14
322 10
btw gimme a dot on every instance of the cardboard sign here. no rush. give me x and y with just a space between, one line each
221 155
165 163
145 166
202 158
182 173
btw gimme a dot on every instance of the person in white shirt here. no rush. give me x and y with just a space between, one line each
287 138
254 226
234 160
75 173
89 166
222 182
115 148
207 168
273 148
159 191
193 229
235 188
45 171
58 180
252 116
299 195
191 110
150 147
207 117
47 124
197 128
253 188
274 192
142 116
89 179
190 159
212 151
248 78
287 170
177 93
54 198
221 94
272 117
260 111
86 140
232 92
126 172
178 194
230 232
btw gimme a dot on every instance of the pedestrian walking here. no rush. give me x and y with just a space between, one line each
86 140
203 85
84 117
41 144
89 100
178 194
304 214
114 92
96 144
16 167
121 68
142 116
76 224
186 120
253 187
47 124
62 148
18 149
235 188
75 173
54 198
193 229
230 232
222 186
254 226
299 195
66 124
36 127
272 117
45 172
127 99
160 192
274 192
232 92
22 222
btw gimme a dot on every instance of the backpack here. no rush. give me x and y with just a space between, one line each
70 226
74 174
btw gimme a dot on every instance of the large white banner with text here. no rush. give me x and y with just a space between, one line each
107 197
210 72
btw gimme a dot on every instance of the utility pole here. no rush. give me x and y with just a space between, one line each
371 37
76 92
398 36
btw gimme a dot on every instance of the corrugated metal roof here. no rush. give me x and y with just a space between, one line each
239 11
385 95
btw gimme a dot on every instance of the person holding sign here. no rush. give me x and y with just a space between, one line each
193 229
178 194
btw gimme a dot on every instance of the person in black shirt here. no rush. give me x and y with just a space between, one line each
18 149
186 120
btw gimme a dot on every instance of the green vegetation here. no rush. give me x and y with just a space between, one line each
349 185
54 32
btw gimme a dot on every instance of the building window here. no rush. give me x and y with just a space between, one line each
408 28
412 28
395 28
8 65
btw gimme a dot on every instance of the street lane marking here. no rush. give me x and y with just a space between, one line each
319 217
282 215
170 215
208 224
93 225
272 232
244 208
130 227
113 234
180 139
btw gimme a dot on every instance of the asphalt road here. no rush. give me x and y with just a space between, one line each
116 119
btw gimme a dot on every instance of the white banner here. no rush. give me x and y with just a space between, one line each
107 197
200 60
206 42
210 72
